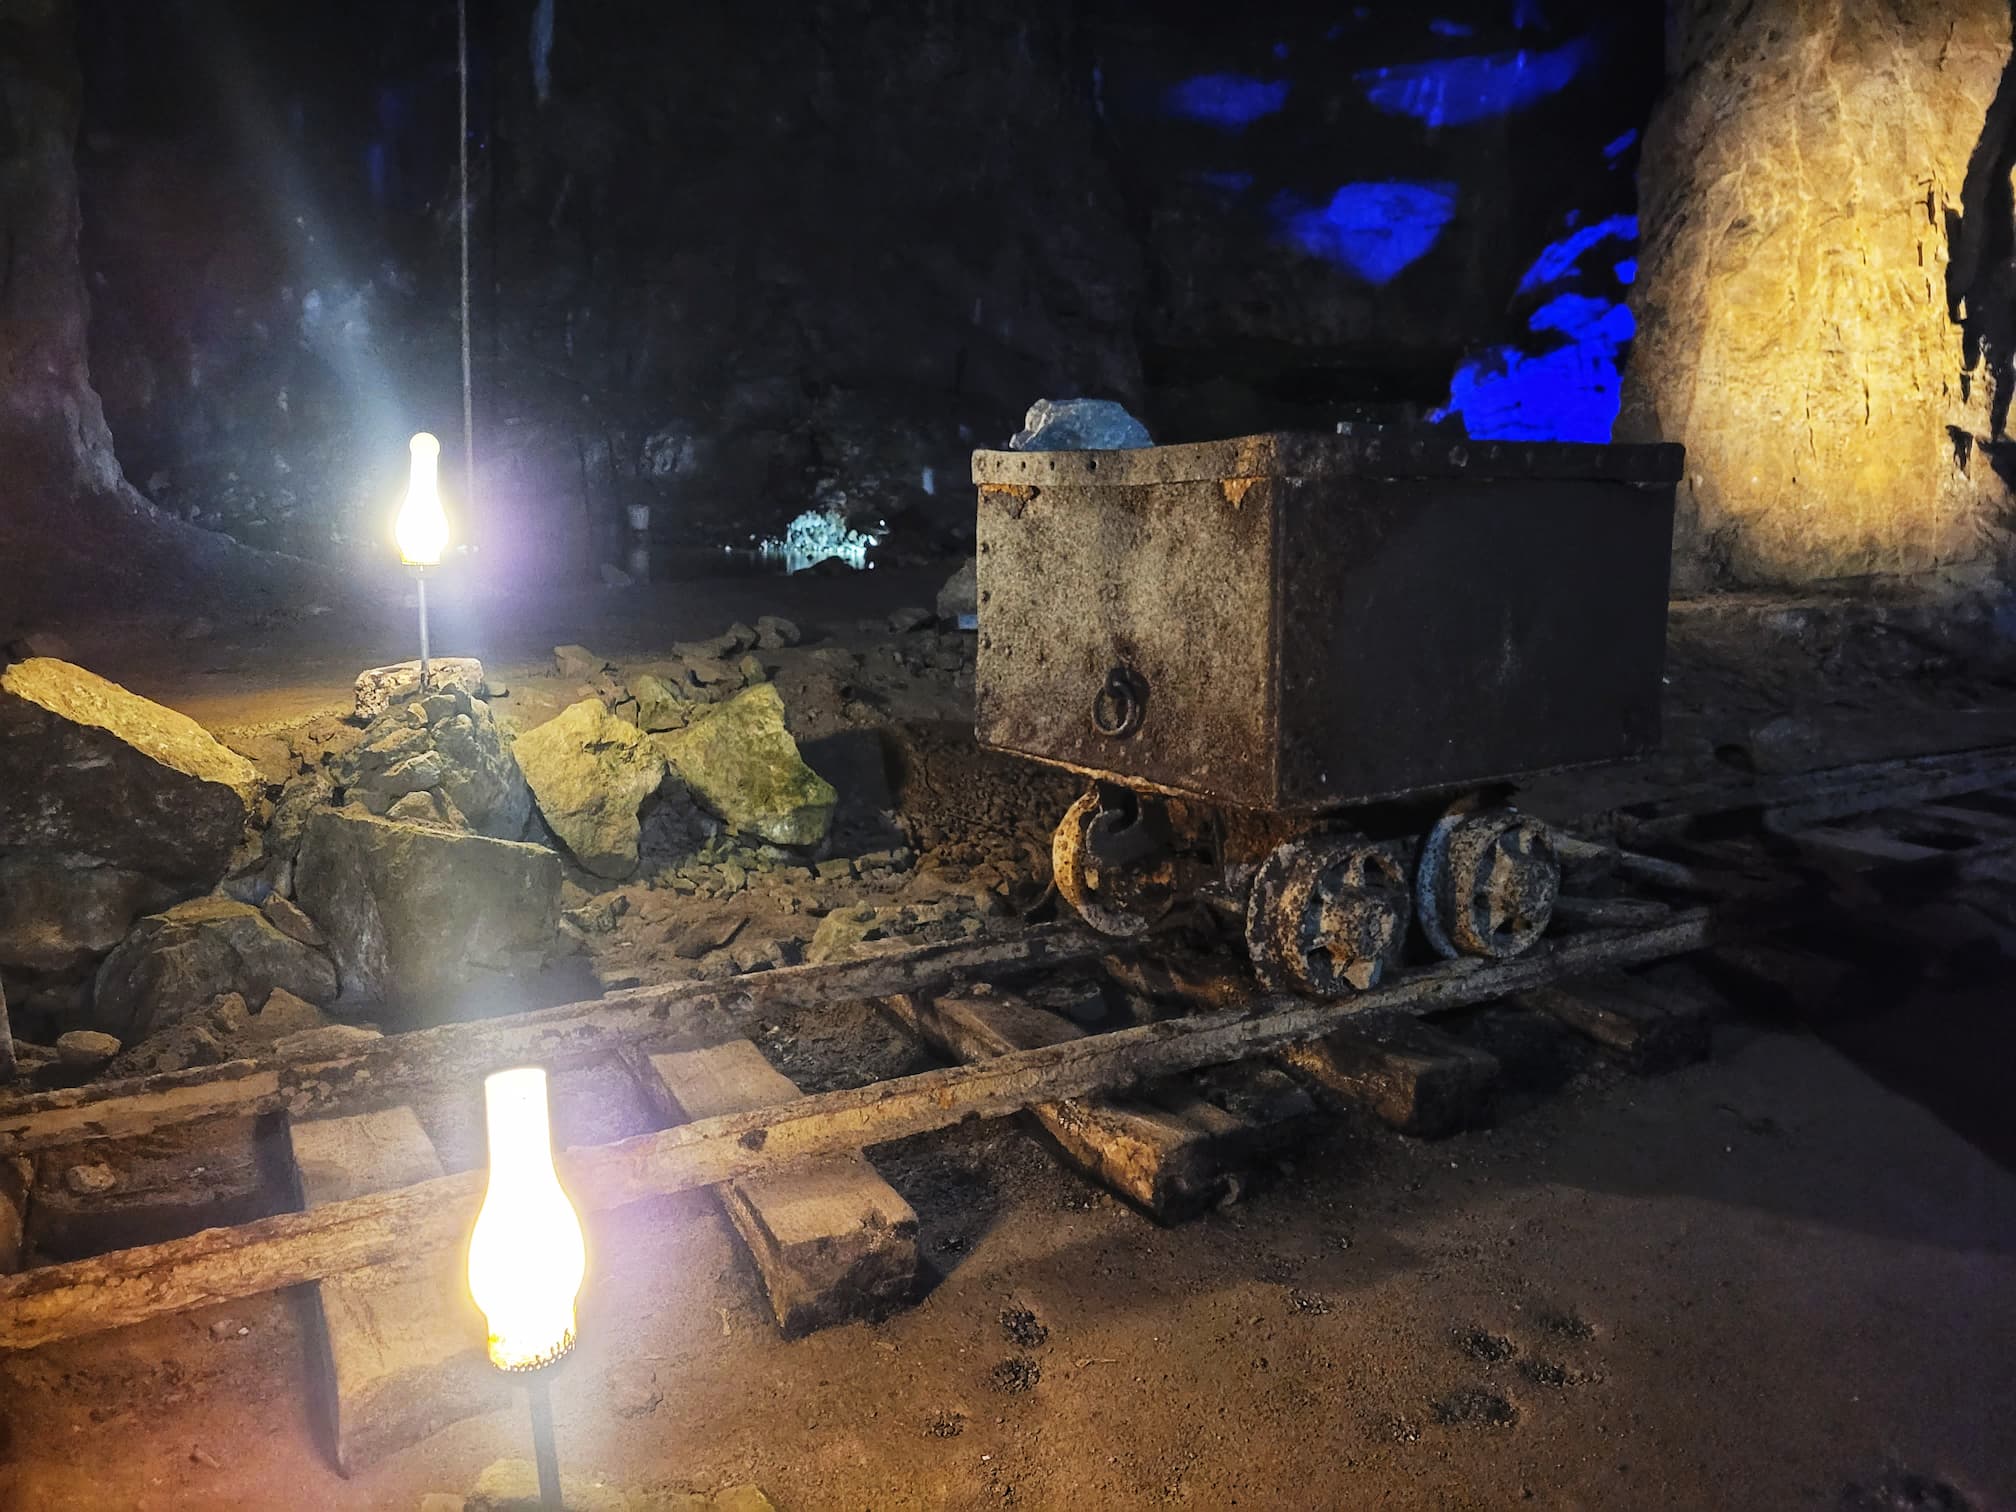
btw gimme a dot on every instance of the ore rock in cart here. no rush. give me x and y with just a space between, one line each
1305 673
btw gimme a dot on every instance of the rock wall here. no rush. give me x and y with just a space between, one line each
52 427
737 263
1802 188
75 537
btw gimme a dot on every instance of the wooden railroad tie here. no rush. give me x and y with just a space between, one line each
1650 1029
1168 1148
1408 1074
396 1349
830 1239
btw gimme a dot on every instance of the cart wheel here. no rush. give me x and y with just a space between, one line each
1077 874
1327 916
1486 883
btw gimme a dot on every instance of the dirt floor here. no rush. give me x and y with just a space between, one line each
1777 1279
1761 1283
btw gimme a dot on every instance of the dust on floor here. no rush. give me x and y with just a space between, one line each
1763 1282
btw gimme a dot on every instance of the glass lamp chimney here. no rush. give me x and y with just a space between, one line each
526 1257
422 527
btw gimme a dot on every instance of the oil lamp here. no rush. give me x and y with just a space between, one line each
422 528
526 1257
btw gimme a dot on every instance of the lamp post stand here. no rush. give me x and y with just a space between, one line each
420 584
544 1454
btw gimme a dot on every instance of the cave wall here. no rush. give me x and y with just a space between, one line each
1803 327
75 537
808 263
59 457
1384 209
736 266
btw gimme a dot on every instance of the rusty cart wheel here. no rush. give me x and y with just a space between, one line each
1486 882
1327 916
1087 886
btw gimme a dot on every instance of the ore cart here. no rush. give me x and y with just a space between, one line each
1304 672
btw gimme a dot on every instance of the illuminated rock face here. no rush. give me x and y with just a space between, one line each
93 772
1799 191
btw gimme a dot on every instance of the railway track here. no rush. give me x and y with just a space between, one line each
1202 1074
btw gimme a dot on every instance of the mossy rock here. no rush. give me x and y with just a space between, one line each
741 764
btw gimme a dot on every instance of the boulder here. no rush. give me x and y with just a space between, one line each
89 768
58 912
426 808
304 794
283 1014
413 912
774 633
741 764
705 670
1079 425
959 599
589 773
85 1048
482 778
290 921
848 931
382 687
576 661
663 704
175 962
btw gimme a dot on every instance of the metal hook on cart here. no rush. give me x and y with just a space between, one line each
1120 705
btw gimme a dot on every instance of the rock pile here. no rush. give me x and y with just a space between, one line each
111 807
437 759
672 695
401 836
386 864
228 1028
699 728
176 962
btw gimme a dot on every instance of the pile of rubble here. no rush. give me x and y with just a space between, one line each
167 902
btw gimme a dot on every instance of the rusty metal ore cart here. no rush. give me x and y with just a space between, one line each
1302 672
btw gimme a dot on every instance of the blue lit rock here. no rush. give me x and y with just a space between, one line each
1079 425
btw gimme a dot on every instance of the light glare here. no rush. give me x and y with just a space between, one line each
526 1256
422 528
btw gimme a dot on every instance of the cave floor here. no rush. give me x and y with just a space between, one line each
1766 1281
1763 1282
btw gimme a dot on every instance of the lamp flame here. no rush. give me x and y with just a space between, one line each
526 1257
422 528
